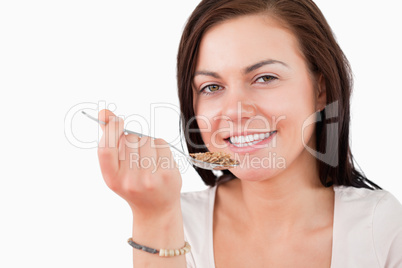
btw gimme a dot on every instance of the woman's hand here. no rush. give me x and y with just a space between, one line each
140 170
144 173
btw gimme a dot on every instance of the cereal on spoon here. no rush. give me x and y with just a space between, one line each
219 158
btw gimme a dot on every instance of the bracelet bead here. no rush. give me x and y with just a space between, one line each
162 252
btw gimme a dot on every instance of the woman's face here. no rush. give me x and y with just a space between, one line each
253 95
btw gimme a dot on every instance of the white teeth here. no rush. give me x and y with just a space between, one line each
241 141
249 138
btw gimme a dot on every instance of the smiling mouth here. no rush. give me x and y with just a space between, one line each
249 140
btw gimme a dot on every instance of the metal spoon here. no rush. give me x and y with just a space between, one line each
193 161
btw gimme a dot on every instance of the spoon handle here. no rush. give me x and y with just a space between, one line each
131 132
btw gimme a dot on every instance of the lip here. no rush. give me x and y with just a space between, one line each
252 148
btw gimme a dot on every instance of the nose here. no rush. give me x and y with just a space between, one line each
238 107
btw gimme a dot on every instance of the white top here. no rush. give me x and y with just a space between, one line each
367 228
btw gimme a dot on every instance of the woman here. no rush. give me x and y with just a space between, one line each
266 82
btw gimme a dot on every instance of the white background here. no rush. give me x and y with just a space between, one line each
56 210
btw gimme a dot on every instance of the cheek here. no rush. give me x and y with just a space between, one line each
291 109
298 102
299 124
206 114
204 126
205 121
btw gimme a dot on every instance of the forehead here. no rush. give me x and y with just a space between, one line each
247 39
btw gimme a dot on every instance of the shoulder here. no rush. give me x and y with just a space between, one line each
379 204
374 201
369 219
349 193
387 230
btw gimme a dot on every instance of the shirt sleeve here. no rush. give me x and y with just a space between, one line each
387 231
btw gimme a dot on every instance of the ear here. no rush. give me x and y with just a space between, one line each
321 94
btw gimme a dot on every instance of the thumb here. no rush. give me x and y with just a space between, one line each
105 116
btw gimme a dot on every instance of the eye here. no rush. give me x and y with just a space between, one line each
265 79
210 89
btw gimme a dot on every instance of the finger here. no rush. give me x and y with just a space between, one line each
105 116
139 160
108 149
129 154
148 154
165 156
114 126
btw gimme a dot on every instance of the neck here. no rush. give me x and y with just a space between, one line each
292 201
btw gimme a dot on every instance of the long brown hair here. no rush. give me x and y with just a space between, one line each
324 57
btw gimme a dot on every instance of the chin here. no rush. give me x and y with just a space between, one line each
254 174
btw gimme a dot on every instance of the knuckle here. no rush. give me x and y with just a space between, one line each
131 141
149 187
160 143
132 138
148 183
131 187
147 141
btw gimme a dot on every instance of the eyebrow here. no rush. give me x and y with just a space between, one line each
246 70
262 63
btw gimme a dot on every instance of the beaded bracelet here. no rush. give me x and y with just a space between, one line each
162 252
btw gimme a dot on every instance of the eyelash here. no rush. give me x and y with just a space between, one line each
202 91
